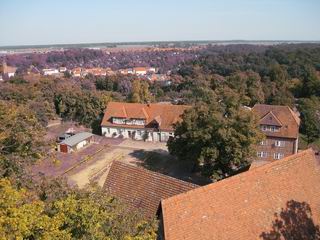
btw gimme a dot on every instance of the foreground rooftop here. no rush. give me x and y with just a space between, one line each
244 206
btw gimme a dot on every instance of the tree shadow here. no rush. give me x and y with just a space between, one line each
161 161
293 223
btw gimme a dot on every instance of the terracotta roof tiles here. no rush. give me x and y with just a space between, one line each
244 206
283 116
141 188
168 113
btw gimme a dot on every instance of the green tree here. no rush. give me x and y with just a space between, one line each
22 217
20 138
310 117
140 92
216 139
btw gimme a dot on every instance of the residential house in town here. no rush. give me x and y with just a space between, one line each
280 124
50 72
96 71
76 72
140 71
72 143
142 189
7 71
280 197
62 69
149 122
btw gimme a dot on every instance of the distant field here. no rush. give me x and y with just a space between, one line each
156 43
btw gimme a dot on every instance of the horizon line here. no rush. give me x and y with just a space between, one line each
155 41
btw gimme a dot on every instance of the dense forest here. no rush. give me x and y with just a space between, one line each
219 82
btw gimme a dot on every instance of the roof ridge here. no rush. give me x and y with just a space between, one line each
247 173
152 172
124 111
296 118
145 112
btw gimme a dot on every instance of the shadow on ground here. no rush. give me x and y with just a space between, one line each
161 161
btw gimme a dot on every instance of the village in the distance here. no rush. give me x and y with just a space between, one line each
163 139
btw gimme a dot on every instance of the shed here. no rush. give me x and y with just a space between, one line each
75 142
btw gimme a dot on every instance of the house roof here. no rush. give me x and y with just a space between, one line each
140 69
244 206
270 119
9 69
141 188
167 113
281 116
77 138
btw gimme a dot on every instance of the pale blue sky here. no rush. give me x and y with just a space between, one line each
78 21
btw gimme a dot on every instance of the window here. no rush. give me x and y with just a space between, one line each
268 128
279 143
278 156
263 143
274 129
262 154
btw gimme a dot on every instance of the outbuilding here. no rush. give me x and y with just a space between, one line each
75 142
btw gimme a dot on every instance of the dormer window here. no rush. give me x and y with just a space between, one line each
131 121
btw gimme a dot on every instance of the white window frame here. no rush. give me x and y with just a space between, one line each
279 143
262 154
278 156
264 142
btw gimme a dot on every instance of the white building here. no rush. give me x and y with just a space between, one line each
148 122
140 71
7 71
75 142
50 71
62 69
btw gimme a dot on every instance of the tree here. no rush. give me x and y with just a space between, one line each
20 136
140 92
74 214
216 139
21 217
310 118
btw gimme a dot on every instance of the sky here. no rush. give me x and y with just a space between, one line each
35 22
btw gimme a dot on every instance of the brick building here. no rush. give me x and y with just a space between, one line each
281 128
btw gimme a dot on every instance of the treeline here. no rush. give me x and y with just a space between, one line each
217 136
283 75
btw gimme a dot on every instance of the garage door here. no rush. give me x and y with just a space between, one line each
63 148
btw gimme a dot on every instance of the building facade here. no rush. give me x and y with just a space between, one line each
280 126
147 122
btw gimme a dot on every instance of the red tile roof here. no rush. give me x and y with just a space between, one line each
168 114
141 188
278 115
244 206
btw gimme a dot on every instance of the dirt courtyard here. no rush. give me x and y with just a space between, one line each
152 156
